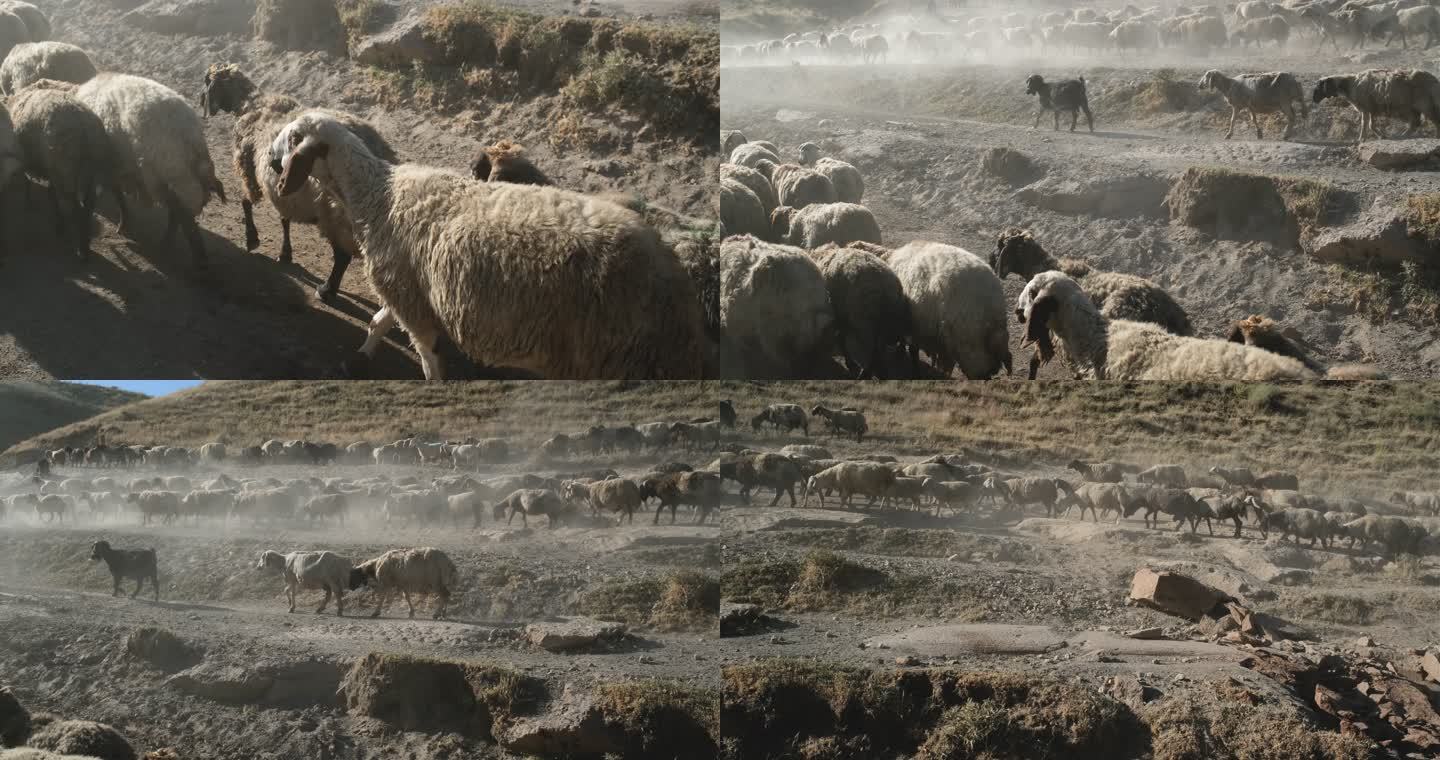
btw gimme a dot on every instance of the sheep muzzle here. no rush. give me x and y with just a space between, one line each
299 164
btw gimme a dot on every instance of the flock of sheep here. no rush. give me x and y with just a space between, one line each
467 257
1188 29
805 276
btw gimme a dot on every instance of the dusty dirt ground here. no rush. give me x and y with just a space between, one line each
140 309
917 132
66 635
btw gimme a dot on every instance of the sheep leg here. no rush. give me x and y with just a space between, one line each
1034 365
1234 112
408 602
324 602
1056 113
252 235
380 602
1256 122
380 324
290 596
116 590
191 229
287 254
1074 118
340 602
139 584
1089 118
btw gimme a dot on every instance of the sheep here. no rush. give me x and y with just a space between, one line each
614 495
53 507
874 48
1235 476
1406 95
505 161
807 451
1180 505
730 139
1172 475
955 494
848 183
782 416
31 62
755 181
1272 92
870 310
1092 35
532 501
1135 34
161 148
409 571
798 187
775 471
425 505
472 259
742 213
82 738
957 309
13 32
1144 351
823 223
1117 295
843 421
1021 492
1393 533
1417 502
1424 19
699 488
752 153
912 489
1068 95
869 479
1278 480
309 571
266 503
257 118
15 725
152 504
128 564
1108 496
36 24
1300 523
773 305
1099 472
1053 303
326 505
697 435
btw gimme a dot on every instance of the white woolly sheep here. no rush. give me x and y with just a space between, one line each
957 309
308 571
754 180
847 180
798 187
871 313
152 504
447 254
1101 498
1272 92
1022 492
161 149
741 212
847 421
617 495
466 504
532 501
1053 303
1144 351
751 153
868 479
409 571
822 223
773 305
1424 19
1262 30
64 142
33 61
257 118
1135 35
1407 95
730 139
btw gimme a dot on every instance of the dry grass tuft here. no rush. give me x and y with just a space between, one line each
1185 728
680 601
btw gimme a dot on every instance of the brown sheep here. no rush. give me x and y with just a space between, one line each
409 571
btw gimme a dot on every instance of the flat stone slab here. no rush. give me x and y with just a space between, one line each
1259 561
574 633
1399 154
972 639
222 683
1122 646
780 518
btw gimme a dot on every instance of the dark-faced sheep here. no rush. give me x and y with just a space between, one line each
846 421
786 417
1068 95
506 161
1099 472
774 471
128 564
872 314
1052 304
1399 94
699 489
1273 92
409 571
532 501
325 571
823 223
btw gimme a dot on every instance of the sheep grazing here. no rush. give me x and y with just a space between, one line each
311 571
258 117
1273 92
774 306
1067 95
471 260
798 187
1099 472
755 182
1116 295
846 421
33 61
957 309
161 149
408 571
614 495
506 161
699 489
1053 303
138 565
1400 94
1263 332
82 738
871 313
532 501
823 223
64 143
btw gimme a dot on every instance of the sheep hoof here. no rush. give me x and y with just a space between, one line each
325 293
252 241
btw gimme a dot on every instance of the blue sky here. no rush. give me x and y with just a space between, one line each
147 387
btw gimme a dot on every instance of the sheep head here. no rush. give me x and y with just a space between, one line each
226 89
302 143
1207 81
1331 87
1034 84
1017 251
99 550
809 153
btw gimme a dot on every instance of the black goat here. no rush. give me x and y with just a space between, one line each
136 564
1068 95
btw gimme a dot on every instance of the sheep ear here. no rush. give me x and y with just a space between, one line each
302 160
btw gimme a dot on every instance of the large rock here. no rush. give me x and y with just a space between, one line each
1399 154
1383 233
1176 594
1113 197
1430 666
197 17
573 633
222 683
404 43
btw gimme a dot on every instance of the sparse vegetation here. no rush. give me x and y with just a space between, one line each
826 581
1190 728
661 718
680 601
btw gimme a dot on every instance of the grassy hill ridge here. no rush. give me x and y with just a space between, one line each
29 408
